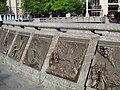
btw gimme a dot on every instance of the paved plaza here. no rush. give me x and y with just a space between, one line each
13 81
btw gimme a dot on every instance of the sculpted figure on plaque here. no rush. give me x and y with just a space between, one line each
17 47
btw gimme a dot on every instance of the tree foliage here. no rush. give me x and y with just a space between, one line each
31 6
54 6
65 6
3 7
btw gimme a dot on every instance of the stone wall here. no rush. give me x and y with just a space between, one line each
92 19
61 60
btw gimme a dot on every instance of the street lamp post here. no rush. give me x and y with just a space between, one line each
87 14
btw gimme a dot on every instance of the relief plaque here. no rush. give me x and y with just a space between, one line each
67 58
1 30
19 46
105 73
5 45
3 35
37 51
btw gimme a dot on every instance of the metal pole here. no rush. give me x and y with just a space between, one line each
9 6
27 6
16 12
16 9
87 14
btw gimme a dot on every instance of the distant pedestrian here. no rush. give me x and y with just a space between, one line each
28 16
20 18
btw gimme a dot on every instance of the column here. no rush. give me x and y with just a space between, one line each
87 14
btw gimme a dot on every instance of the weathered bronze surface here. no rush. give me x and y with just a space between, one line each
1 30
18 47
37 51
2 37
5 45
105 73
67 58
3 34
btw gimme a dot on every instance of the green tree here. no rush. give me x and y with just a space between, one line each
3 7
64 6
31 6
58 7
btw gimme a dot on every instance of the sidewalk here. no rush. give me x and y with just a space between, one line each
12 81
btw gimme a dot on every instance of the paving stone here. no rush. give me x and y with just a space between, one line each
12 81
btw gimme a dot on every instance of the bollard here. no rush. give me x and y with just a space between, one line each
15 17
7 17
4 17
0 18
10 17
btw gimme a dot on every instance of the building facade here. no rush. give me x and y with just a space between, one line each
14 7
105 6
113 5
97 7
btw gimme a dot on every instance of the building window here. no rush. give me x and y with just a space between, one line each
95 2
112 1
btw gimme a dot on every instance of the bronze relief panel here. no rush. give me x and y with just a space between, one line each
105 73
18 46
1 30
37 51
67 58
3 35
5 45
